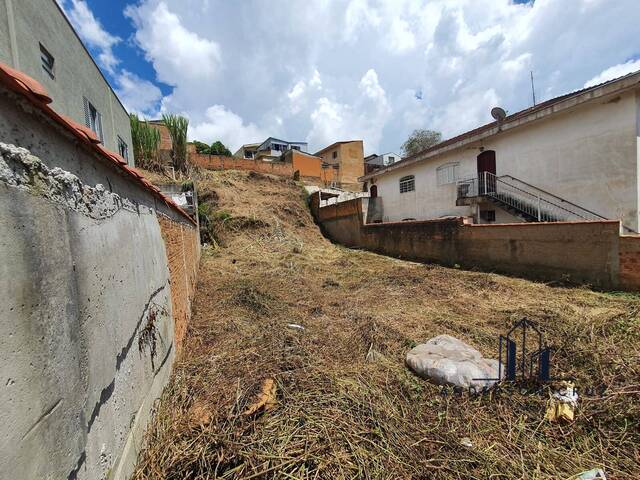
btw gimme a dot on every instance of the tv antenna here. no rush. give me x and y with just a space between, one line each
533 89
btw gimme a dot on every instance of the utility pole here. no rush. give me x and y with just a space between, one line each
533 89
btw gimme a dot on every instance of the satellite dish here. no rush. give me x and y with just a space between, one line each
498 113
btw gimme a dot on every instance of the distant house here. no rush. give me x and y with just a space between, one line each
37 39
347 158
374 162
310 167
247 151
272 148
574 157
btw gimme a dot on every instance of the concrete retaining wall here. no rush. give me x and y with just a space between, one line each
585 252
88 295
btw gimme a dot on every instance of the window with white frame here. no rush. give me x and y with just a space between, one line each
448 173
407 184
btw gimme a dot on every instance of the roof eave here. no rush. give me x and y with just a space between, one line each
518 119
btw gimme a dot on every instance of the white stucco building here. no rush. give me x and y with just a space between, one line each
574 157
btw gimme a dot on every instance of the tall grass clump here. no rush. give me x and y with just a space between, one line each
146 142
177 126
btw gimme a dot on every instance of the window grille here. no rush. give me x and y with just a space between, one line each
407 184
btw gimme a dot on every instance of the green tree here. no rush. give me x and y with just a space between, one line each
202 147
218 148
420 140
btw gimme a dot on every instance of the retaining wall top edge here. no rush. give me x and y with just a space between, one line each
32 91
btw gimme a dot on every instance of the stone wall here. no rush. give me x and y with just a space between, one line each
89 282
583 252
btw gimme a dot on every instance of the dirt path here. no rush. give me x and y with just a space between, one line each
346 405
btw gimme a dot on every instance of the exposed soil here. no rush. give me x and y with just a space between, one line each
347 407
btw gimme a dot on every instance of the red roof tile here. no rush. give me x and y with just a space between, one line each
22 82
29 88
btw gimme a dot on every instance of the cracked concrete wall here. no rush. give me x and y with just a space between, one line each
86 322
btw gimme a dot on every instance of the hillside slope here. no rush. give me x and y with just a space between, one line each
346 405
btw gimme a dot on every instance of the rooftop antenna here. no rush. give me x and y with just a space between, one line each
533 89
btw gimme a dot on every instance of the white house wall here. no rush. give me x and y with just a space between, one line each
588 156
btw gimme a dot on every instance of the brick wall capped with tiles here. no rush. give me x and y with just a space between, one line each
182 244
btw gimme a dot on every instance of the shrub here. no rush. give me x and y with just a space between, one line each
178 127
146 142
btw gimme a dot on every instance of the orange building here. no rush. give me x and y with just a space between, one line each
311 167
347 161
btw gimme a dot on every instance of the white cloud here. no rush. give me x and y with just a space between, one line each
298 95
226 126
359 16
400 38
363 120
138 95
616 71
92 32
372 69
177 54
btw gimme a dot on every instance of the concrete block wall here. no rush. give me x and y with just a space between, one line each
585 252
88 288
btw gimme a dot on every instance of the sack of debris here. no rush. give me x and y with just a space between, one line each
445 360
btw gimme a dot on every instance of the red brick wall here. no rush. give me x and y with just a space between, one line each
630 263
183 251
165 137
218 162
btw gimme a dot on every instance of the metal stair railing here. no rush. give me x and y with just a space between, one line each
528 200
532 201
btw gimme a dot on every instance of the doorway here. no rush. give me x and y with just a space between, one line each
486 172
373 191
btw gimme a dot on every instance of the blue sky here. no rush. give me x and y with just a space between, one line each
328 70
110 14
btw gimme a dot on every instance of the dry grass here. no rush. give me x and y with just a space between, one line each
347 406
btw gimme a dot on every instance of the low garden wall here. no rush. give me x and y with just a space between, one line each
584 252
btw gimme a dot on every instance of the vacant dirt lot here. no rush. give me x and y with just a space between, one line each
346 405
